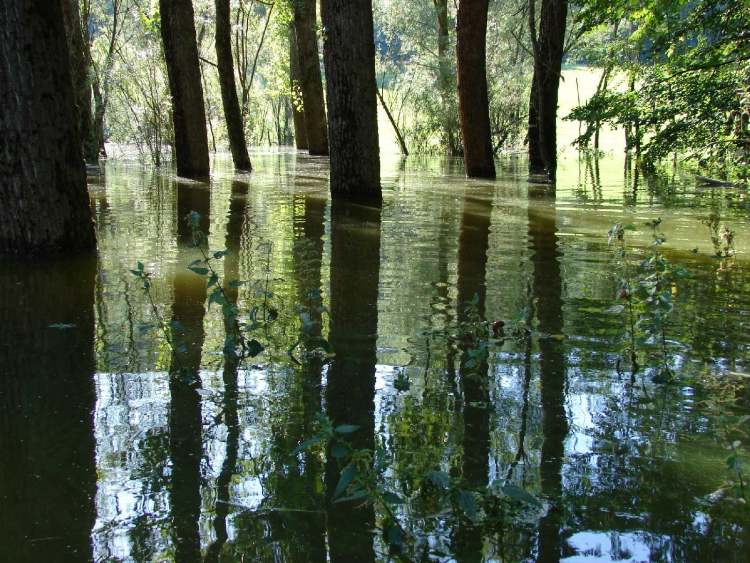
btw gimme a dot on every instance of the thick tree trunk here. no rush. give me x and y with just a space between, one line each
548 55
298 110
188 108
536 162
309 74
225 64
352 106
44 206
473 102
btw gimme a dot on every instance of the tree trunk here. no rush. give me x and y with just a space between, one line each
310 80
225 64
80 69
298 108
536 162
548 55
188 109
352 106
473 102
44 206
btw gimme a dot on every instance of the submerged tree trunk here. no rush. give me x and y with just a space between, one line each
352 105
44 205
188 108
473 102
536 162
232 113
309 75
298 110
548 54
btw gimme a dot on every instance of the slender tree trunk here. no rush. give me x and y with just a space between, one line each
536 162
298 109
300 129
446 80
80 69
473 102
310 79
352 105
548 55
231 104
394 124
188 108
44 206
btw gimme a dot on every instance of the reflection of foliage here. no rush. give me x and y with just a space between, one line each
722 237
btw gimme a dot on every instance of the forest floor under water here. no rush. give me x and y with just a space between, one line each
461 360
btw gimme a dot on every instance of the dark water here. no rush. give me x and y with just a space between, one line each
114 447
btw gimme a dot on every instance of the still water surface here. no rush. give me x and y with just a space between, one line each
106 456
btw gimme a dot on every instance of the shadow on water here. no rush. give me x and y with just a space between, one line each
47 448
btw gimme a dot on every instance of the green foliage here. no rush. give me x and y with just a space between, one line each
646 291
364 479
688 80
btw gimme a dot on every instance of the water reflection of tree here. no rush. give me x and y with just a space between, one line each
185 423
355 269
47 399
547 290
473 366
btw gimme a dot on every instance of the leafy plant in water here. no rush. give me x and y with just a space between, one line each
236 339
722 237
647 294
724 394
361 479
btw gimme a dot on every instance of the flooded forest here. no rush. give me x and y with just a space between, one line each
374 280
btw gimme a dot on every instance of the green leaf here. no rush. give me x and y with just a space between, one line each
307 444
346 428
355 495
347 474
518 494
438 478
220 254
197 270
468 504
212 280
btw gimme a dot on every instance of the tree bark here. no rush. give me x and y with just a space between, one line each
188 108
536 162
80 69
310 79
352 106
548 55
298 108
44 206
225 64
473 101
